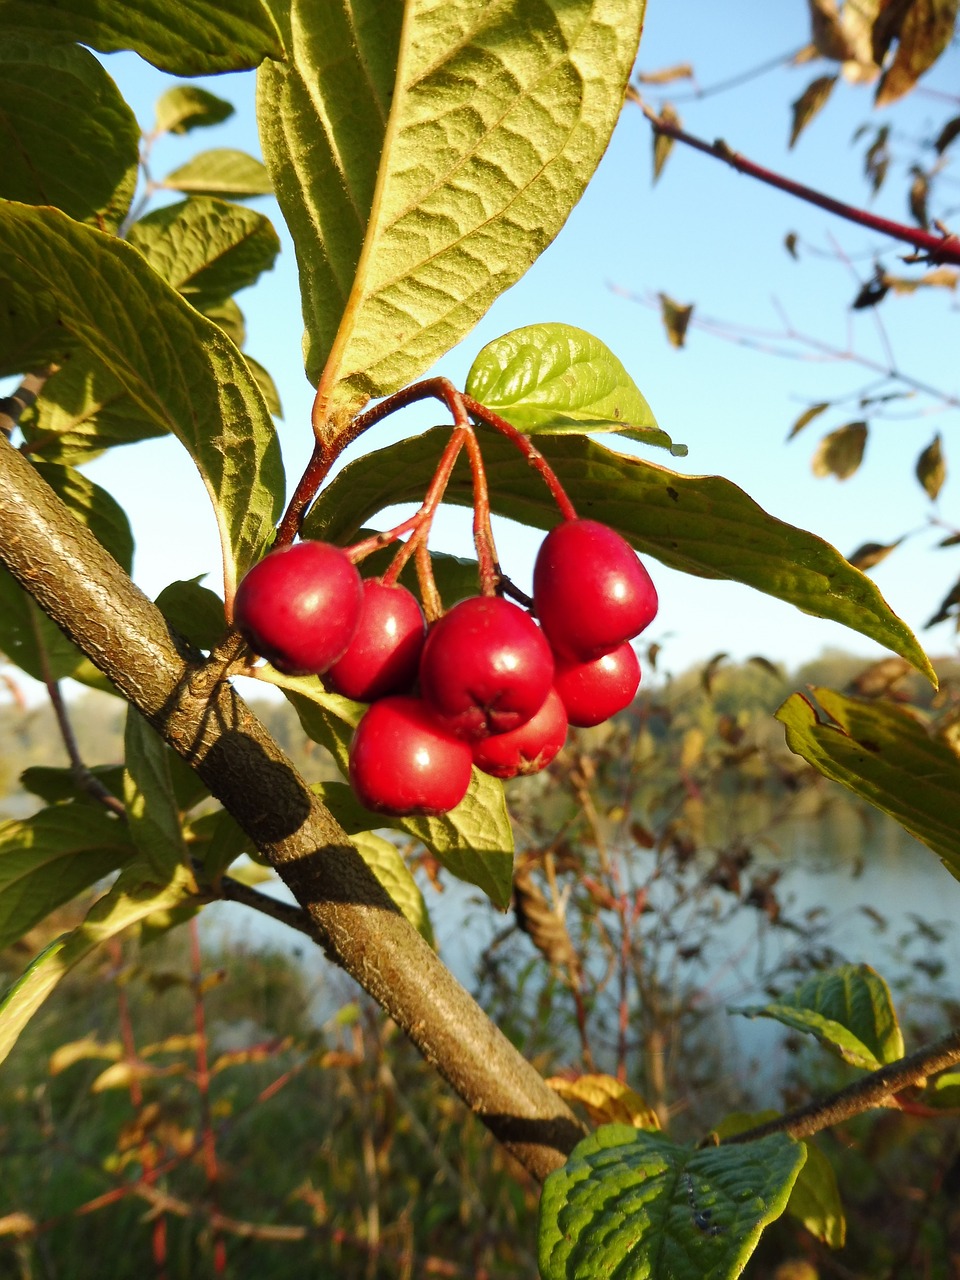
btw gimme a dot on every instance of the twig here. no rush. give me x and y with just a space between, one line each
285 912
12 406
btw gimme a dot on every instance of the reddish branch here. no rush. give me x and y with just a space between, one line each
939 249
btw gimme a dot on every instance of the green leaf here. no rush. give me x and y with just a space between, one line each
57 786
808 416
184 37
386 863
49 858
885 754
218 840
131 900
93 507
630 1203
28 637
849 1009
153 815
944 1091
496 118
177 366
194 611
474 841
932 468
67 136
229 317
186 106
554 378
221 172
268 387
702 525
206 249
840 452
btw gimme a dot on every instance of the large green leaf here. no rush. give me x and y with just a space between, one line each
206 249
67 137
177 366
417 196
93 507
849 1009
703 525
184 37
221 172
557 379
474 841
629 1203
133 897
49 858
153 814
885 754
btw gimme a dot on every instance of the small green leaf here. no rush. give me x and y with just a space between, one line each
702 525
153 815
945 1091
554 378
221 172
68 137
630 1203
194 611
840 452
386 863
218 840
885 754
28 637
186 106
93 507
932 468
57 786
206 249
177 366
849 1009
184 37
49 858
132 898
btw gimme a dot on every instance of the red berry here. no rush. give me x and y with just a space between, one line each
590 590
403 762
485 667
527 749
594 691
300 606
384 654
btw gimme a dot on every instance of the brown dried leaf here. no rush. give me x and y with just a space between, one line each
947 134
827 31
543 924
948 606
872 292
926 30
17 1224
840 452
790 244
810 102
880 677
667 75
952 541
675 318
808 415
938 278
765 664
606 1100
932 468
662 142
871 553
877 158
919 191
709 672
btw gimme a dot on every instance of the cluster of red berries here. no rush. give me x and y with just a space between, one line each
496 689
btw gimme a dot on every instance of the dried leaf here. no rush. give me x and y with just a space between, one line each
952 541
662 142
840 452
606 1100
709 673
543 923
765 664
948 606
926 30
667 75
932 468
17 1224
871 553
877 159
810 102
871 293
948 133
827 33
808 415
880 677
790 244
938 278
919 190
675 318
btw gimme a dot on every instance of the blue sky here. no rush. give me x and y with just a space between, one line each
705 235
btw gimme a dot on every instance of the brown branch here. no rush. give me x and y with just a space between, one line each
935 248
12 406
200 715
871 1091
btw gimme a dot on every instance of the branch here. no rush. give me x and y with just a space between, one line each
25 395
935 248
871 1091
83 589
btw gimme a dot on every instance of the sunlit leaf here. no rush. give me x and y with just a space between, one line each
676 317
631 1203
870 554
184 107
385 861
885 754
949 132
221 172
666 75
153 815
840 452
876 161
932 468
496 117
606 1100
94 508
808 416
926 30
68 137
268 388
702 525
811 101
849 1009
663 142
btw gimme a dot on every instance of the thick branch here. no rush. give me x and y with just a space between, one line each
935 248
83 589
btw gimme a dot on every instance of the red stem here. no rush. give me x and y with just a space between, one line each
203 1088
938 248
529 451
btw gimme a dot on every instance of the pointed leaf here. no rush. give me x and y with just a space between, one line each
386 863
811 101
60 785
497 120
631 1203
884 753
927 28
932 468
949 132
808 415
699 524
131 900
849 1009
268 388
554 378
67 136
606 1100
177 366
206 249
676 317
184 37
221 172
49 858
474 841
186 106
872 553
229 317
219 840
840 452
93 507
663 142
194 611
153 815
28 637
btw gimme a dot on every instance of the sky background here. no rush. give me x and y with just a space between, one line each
704 235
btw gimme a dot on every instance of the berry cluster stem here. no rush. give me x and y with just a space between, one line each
529 451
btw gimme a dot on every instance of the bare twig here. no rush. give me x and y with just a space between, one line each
12 406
